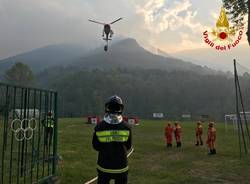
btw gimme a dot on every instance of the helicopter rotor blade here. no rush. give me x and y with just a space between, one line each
96 22
116 21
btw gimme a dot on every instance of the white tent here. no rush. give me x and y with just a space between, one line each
34 113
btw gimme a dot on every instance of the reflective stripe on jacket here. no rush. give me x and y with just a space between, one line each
113 171
49 123
113 136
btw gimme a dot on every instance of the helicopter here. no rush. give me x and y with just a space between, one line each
107 31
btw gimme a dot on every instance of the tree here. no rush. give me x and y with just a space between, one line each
248 32
144 92
238 9
20 74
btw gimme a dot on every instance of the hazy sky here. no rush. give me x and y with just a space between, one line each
171 25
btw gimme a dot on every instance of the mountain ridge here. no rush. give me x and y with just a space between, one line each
126 53
129 54
45 57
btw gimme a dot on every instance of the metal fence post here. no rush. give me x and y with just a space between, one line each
55 136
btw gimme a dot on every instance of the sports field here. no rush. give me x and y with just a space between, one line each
151 162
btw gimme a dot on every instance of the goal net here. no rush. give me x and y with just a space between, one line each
232 119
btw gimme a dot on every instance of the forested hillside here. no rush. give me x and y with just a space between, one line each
147 82
144 92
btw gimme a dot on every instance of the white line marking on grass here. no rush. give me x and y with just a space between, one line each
132 150
90 181
94 179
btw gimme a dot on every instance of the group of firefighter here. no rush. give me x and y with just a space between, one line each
112 139
176 130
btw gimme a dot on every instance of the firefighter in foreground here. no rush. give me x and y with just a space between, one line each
169 134
112 139
211 138
198 133
177 133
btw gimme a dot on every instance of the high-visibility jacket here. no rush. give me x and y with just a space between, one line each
177 130
169 133
198 130
211 135
49 123
112 141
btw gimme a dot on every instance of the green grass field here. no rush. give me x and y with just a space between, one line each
151 162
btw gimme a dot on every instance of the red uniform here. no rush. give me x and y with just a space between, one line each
198 133
211 138
177 133
169 135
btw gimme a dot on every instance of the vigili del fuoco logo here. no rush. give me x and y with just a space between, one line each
223 37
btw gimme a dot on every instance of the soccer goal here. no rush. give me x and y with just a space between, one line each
232 118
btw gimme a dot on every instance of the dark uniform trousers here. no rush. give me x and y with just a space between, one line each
104 178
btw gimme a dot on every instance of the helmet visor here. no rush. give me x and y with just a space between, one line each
114 108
